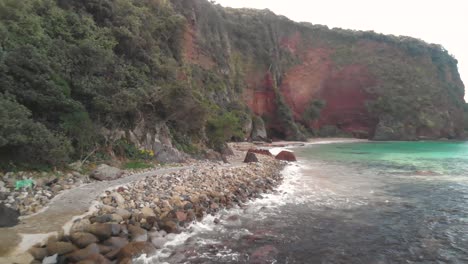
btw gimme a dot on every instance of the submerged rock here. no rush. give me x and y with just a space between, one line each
265 254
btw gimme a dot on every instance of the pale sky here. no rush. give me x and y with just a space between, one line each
442 22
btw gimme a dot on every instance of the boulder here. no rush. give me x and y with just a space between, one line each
103 231
8 216
104 249
123 213
61 248
95 258
258 129
116 242
135 249
80 225
158 242
106 173
112 254
286 156
137 233
118 199
106 218
82 254
38 253
250 157
83 239
169 226
181 216
147 212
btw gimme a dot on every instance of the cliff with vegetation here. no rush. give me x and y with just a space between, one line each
97 79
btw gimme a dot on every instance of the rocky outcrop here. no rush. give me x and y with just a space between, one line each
154 137
152 209
371 85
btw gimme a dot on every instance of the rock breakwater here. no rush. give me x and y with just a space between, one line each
141 217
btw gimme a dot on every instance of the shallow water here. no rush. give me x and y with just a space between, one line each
395 202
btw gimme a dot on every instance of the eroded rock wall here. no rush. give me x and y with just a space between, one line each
371 85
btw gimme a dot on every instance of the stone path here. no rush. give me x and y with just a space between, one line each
61 210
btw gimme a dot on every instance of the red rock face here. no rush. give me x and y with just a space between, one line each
345 95
314 75
259 94
343 91
316 78
192 53
302 83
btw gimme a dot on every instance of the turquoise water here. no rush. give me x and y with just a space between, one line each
375 202
437 157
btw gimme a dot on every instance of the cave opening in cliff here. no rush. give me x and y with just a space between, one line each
276 134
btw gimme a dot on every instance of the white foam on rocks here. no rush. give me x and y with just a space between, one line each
285 193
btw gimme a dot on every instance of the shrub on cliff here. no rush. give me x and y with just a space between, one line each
312 112
222 128
26 143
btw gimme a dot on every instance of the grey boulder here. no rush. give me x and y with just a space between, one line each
106 173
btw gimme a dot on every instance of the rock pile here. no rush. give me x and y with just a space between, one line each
142 216
30 199
260 151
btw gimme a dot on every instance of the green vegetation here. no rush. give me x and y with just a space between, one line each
71 69
24 142
137 165
312 112
76 66
332 131
222 128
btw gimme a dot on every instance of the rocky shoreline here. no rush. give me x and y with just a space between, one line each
44 187
140 217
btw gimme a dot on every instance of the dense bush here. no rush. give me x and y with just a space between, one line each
69 68
222 128
312 112
26 143
75 66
